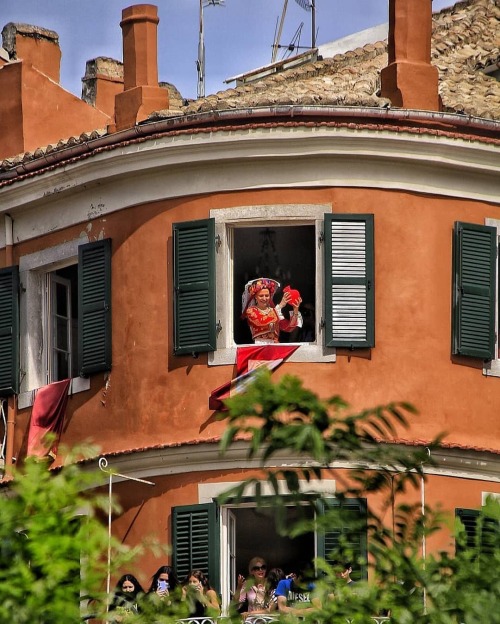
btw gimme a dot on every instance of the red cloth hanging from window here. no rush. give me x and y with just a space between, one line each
47 416
248 359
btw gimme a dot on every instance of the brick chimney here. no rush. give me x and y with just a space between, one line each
409 80
142 95
36 46
103 80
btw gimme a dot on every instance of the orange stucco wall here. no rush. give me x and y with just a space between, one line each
154 397
43 54
147 511
35 111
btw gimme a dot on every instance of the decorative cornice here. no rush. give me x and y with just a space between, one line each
206 457
307 155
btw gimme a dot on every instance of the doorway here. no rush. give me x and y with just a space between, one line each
251 532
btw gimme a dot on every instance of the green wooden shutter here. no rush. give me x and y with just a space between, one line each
474 277
349 281
347 538
194 287
482 532
94 307
9 330
196 541
468 517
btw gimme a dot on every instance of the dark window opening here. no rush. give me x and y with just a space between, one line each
286 254
256 536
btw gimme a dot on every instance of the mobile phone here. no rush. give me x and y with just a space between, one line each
162 585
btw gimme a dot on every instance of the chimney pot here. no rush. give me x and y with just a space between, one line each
140 45
142 94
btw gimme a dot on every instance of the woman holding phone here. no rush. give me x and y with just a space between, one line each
164 581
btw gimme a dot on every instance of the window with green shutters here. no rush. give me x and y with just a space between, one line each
197 531
196 542
474 282
9 330
331 262
349 281
94 307
65 315
194 287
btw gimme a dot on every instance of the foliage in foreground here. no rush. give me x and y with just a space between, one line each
440 589
52 545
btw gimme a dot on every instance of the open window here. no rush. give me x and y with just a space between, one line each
328 257
221 541
62 323
65 314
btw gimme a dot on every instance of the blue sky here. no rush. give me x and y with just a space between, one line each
238 35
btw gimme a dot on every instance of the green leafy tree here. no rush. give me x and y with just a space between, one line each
53 545
442 589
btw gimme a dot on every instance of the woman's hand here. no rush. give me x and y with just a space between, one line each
284 300
296 307
241 580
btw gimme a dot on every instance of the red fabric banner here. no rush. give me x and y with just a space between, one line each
47 416
248 359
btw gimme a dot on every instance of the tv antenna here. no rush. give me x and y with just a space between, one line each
307 5
200 63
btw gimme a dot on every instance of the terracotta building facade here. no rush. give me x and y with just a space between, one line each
125 251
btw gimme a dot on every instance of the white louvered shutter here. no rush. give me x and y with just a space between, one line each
349 281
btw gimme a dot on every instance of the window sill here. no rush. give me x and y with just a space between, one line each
305 353
492 369
78 384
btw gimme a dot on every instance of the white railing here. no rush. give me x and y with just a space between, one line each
255 619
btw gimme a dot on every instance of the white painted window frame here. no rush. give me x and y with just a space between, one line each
208 492
34 320
226 220
492 368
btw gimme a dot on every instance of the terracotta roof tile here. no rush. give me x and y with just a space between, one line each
465 40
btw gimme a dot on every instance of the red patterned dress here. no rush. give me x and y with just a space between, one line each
265 325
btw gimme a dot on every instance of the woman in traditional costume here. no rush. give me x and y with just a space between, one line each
266 319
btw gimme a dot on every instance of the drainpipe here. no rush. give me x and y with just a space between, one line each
12 401
424 542
9 238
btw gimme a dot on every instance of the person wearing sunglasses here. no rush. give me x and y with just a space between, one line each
252 591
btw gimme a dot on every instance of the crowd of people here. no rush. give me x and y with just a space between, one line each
261 592
192 597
